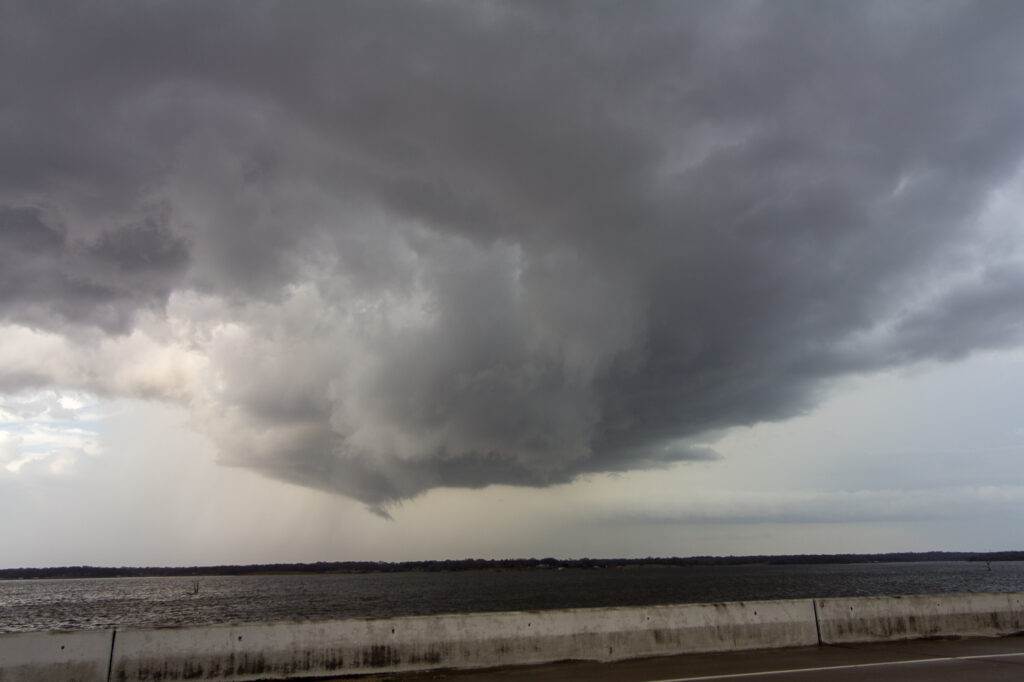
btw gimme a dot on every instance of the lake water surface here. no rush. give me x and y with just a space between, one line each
27 605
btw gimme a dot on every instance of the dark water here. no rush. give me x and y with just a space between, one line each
140 602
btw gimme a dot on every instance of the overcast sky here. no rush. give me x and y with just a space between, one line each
403 280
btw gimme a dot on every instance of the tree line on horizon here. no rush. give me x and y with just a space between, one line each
549 563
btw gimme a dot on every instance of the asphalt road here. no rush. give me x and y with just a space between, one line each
978 660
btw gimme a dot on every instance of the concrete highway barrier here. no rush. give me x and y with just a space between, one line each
83 656
879 619
247 652
353 646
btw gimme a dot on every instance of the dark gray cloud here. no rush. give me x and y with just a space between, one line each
47 278
429 244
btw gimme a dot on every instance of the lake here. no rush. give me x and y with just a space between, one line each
32 605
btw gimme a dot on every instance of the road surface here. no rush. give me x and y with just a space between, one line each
978 660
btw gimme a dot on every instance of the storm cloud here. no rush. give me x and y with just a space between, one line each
411 245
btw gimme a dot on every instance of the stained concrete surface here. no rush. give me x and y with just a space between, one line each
981 659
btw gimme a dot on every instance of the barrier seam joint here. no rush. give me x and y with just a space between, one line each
817 623
110 661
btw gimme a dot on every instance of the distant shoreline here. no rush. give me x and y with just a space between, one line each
549 563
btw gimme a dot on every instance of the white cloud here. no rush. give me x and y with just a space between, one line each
47 431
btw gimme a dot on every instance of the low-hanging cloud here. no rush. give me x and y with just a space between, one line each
410 245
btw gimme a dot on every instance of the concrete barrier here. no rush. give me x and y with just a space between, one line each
354 646
282 650
83 656
878 619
